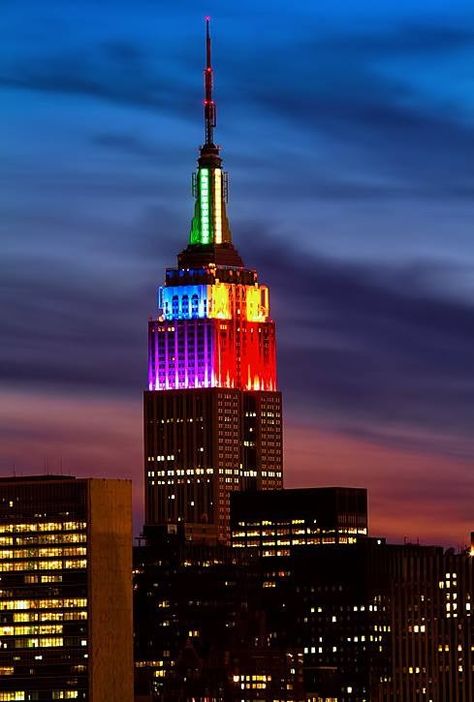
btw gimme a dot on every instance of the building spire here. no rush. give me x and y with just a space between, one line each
210 227
209 105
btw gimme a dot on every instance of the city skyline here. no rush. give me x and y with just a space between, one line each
375 334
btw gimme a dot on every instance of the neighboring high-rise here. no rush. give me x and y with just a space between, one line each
271 523
212 411
65 589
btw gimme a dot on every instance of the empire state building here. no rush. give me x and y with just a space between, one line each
212 411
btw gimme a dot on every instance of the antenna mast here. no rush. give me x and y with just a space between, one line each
209 105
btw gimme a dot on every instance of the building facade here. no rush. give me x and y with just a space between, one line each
271 523
432 654
212 411
65 590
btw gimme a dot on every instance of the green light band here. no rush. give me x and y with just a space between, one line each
204 205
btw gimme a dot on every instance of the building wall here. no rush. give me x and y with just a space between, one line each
110 588
202 444
43 589
263 441
432 625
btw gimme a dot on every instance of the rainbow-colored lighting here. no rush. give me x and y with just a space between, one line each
216 335
218 301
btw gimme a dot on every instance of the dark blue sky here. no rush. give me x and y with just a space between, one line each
347 129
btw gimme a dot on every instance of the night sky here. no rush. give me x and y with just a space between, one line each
347 129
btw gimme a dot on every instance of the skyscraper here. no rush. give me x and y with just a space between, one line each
212 411
65 589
